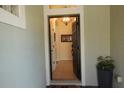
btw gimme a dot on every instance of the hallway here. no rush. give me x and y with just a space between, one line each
64 71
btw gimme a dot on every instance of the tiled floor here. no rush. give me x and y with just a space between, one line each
64 71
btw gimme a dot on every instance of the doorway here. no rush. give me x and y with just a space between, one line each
64 47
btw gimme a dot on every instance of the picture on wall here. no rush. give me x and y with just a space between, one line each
66 38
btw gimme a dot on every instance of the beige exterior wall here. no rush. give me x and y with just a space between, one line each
22 60
97 38
117 41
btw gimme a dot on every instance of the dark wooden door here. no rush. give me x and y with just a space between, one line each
76 48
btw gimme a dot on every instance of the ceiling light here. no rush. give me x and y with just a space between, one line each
66 20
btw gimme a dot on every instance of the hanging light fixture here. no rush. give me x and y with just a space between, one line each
66 20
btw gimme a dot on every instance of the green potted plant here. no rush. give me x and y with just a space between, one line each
105 69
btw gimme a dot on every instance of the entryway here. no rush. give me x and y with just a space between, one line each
59 13
64 47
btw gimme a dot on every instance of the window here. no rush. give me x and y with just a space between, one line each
13 9
61 6
13 15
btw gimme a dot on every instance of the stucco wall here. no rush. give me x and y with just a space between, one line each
22 52
97 38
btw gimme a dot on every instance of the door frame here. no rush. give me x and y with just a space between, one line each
69 11
49 32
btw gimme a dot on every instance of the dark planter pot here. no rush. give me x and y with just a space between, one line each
105 78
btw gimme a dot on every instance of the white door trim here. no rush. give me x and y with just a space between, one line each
49 12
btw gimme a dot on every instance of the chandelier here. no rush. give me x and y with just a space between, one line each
66 20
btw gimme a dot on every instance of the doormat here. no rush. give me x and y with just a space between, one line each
70 86
63 86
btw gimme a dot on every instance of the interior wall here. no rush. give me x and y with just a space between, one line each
97 38
53 42
22 62
63 49
117 40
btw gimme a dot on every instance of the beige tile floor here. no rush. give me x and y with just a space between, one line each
64 71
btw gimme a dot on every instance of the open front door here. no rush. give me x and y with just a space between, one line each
76 48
